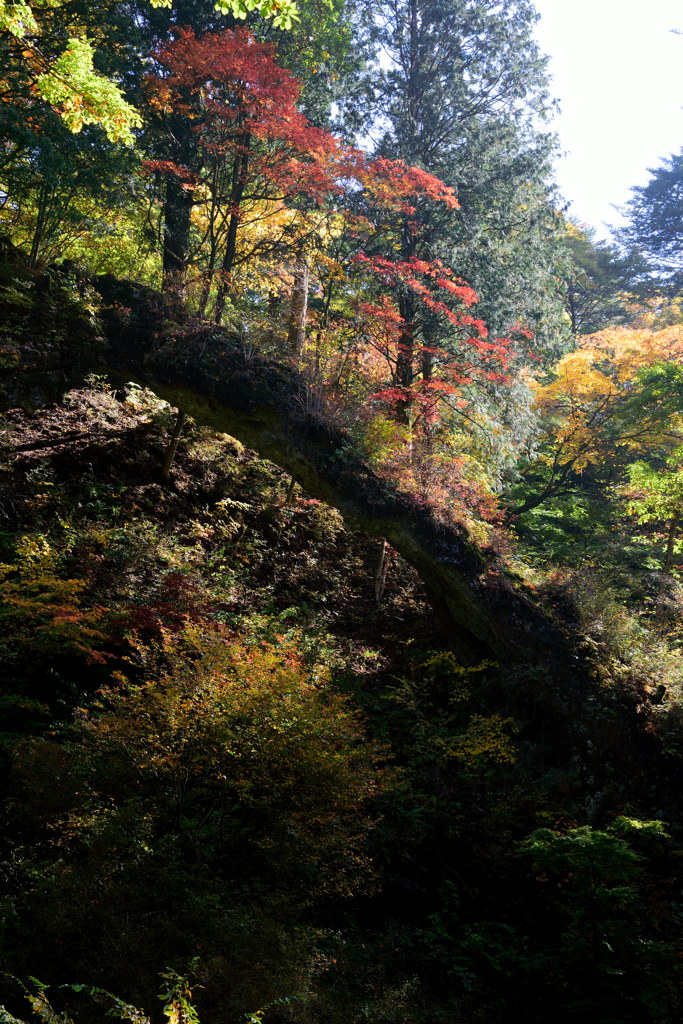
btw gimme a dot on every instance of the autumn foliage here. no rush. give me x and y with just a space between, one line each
234 92
282 205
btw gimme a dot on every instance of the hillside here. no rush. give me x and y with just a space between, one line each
224 755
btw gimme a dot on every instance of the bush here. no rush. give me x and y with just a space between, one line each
212 806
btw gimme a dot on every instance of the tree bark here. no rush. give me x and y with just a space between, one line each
39 229
173 445
177 215
405 360
296 335
381 571
240 170
670 541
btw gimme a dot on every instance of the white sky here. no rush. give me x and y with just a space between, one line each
618 73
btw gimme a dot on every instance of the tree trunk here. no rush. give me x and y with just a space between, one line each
428 411
178 203
211 240
288 497
177 214
296 335
240 169
670 541
382 570
205 292
173 445
405 368
41 220
572 308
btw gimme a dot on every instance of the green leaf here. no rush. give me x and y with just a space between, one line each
86 97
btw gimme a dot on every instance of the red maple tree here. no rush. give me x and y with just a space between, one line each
252 144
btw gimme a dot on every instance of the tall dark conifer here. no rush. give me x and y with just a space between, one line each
460 89
654 231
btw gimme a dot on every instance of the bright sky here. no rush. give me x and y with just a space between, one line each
618 73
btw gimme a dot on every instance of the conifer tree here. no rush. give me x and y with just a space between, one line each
461 90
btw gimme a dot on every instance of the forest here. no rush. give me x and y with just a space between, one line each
341 528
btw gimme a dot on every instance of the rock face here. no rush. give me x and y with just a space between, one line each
208 374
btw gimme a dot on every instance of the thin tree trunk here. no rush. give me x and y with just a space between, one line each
382 570
573 310
239 180
288 497
322 324
173 445
406 354
290 490
40 225
226 268
429 411
214 216
670 541
296 335
405 360
205 293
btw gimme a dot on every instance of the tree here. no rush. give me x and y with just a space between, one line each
595 906
452 65
283 12
65 77
69 81
655 228
86 66
414 364
597 282
316 50
246 145
228 791
656 496
461 96
70 195
459 90
619 392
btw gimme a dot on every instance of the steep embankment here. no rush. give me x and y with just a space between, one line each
267 406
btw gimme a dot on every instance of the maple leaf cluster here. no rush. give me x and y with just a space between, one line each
233 92
405 272
398 186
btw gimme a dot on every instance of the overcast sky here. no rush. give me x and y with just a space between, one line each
617 71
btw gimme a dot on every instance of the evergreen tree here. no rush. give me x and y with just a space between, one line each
461 88
655 228
597 281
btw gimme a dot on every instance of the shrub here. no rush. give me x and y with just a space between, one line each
212 806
